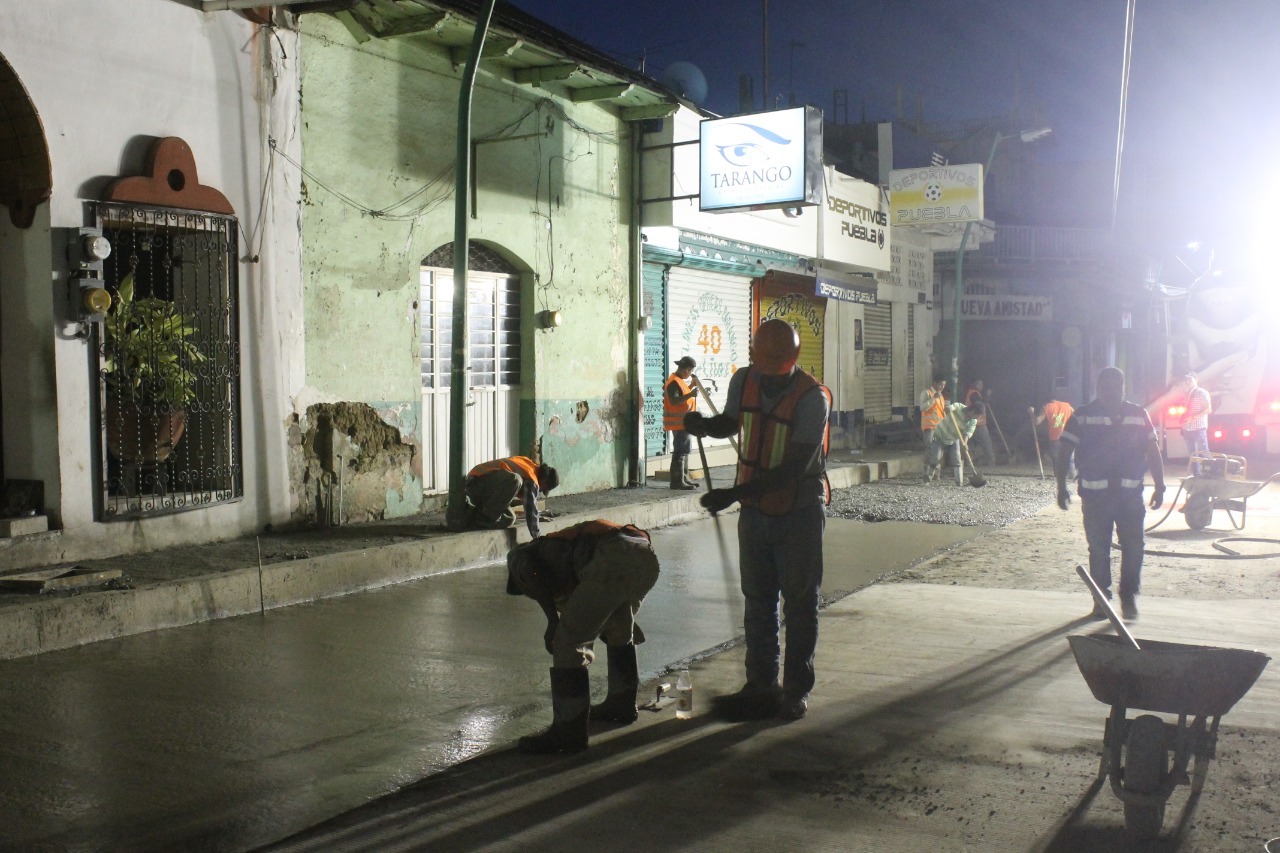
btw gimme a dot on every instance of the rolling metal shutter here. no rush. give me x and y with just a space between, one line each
656 365
878 388
709 318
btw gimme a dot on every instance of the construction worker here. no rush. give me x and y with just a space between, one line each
491 487
955 429
780 414
981 443
590 580
679 398
933 402
1054 414
1114 445
1195 421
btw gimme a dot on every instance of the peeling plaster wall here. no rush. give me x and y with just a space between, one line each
379 127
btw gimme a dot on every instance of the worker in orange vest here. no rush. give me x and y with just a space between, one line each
491 487
589 580
933 407
679 398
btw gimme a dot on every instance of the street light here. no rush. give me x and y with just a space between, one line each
1025 136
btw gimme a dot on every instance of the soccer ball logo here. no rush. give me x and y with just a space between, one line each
933 192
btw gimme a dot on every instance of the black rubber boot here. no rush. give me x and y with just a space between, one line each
570 701
677 472
624 680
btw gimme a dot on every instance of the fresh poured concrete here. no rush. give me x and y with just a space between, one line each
229 734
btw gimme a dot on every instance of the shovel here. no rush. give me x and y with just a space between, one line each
975 479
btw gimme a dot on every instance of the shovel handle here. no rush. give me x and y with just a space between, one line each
1101 601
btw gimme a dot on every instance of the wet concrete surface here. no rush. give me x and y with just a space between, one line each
229 734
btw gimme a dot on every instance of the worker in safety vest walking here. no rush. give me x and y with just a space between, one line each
679 398
933 404
491 487
780 414
590 580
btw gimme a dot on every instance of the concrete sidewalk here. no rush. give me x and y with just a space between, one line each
944 718
190 584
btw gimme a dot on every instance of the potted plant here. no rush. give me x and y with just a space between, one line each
148 356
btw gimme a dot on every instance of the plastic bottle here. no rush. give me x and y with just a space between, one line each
684 696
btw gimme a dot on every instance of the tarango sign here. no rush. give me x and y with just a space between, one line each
760 161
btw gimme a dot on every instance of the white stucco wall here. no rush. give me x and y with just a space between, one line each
107 77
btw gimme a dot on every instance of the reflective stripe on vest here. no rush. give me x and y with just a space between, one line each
522 465
763 438
673 413
598 527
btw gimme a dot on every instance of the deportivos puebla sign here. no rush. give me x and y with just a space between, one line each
762 160
936 194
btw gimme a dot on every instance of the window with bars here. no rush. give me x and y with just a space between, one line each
168 362
493 319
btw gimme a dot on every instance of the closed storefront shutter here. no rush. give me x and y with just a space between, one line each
656 365
878 376
709 318
907 383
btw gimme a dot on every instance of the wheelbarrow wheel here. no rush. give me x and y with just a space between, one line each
1145 765
1199 512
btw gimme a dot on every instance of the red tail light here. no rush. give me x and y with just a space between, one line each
1179 411
1246 433
1217 434
1275 406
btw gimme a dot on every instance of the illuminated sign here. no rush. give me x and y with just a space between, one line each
845 290
762 160
934 194
855 224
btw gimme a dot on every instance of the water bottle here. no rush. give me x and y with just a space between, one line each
684 696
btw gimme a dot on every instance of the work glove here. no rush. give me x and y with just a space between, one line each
695 424
1064 497
718 499
1157 497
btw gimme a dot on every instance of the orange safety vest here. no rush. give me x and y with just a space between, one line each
673 413
598 527
522 465
1056 414
932 414
969 400
763 438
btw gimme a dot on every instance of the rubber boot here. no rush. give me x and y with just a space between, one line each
689 481
570 701
677 472
624 680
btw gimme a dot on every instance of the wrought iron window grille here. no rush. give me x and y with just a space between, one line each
168 362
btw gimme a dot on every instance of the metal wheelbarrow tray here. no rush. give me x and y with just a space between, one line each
1200 682
1205 494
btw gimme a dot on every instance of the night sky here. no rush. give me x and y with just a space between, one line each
1203 101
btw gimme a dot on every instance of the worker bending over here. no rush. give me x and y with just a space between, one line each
491 487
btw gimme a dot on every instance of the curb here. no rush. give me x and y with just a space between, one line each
44 626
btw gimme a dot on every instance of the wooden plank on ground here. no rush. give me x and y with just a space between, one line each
47 580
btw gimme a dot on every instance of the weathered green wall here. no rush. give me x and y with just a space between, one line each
379 124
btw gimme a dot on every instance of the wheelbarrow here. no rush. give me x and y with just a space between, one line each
1221 484
1198 684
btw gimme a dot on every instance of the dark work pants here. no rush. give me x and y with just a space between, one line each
1123 511
781 556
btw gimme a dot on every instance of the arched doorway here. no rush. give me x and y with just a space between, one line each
26 182
493 398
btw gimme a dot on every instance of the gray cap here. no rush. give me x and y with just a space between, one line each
686 361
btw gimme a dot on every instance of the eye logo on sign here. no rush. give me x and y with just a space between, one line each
748 150
762 160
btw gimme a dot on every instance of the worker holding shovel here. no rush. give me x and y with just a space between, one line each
780 415
951 436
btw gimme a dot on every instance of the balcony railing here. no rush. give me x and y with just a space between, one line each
1037 244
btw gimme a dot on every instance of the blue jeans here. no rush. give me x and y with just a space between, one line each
1197 440
781 556
1123 511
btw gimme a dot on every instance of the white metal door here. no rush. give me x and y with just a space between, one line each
879 362
493 398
